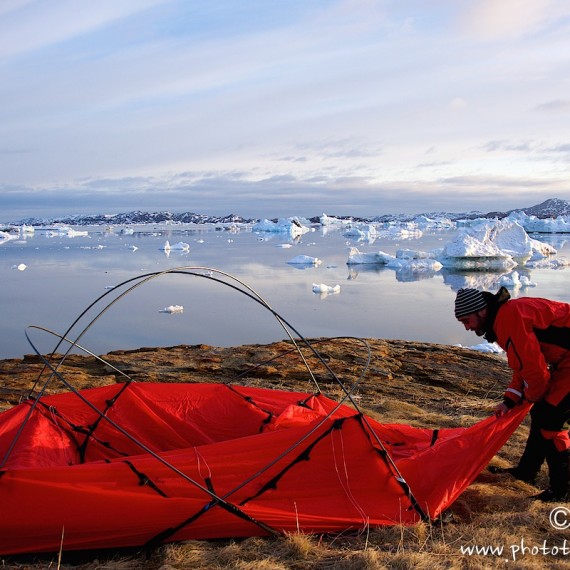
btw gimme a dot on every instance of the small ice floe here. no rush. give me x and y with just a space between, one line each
415 261
404 232
20 267
7 236
108 287
488 347
305 260
132 247
180 246
325 290
541 250
66 231
515 281
284 245
292 226
558 263
361 231
172 309
332 221
356 257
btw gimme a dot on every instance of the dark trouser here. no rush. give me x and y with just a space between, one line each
547 419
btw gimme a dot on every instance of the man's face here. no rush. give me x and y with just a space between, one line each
475 321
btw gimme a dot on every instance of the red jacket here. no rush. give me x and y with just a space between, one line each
535 334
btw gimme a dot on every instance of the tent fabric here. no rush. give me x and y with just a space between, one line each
201 461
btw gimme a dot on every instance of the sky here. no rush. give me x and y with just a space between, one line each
276 108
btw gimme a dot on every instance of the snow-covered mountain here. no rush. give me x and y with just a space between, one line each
551 208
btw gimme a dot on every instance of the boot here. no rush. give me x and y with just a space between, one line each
558 472
516 472
549 496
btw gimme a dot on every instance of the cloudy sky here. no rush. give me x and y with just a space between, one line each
270 108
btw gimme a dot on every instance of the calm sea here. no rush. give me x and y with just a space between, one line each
65 275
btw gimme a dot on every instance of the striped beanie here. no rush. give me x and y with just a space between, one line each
468 301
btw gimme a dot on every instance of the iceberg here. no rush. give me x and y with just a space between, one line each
292 226
325 289
356 257
500 244
6 236
180 246
533 224
305 260
66 231
476 248
515 281
172 309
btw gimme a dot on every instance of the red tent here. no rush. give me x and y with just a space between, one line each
135 464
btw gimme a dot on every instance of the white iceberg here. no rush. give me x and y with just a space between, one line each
305 260
415 261
489 347
292 226
532 224
7 236
361 231
180 246
416 265
172 309
515 281
356 257
325 289
558 263
425 222
325 220
66 231
541 250
468 252
499 244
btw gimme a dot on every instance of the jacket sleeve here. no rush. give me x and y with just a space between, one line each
514 329
514 392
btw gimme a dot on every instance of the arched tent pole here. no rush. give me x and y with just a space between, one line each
217 500
256 297
142 279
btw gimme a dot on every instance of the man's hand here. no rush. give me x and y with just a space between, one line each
501 410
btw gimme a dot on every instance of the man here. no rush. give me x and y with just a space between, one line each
535 334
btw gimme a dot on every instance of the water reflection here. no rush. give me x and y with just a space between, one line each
63 275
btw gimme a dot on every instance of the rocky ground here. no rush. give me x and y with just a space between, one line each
403 381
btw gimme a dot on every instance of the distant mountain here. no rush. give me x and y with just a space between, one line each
551 208
138 218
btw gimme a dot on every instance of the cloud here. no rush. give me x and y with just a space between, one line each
492 20
30 26
557 106
278 196
268 105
